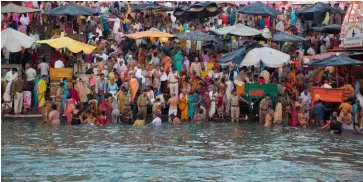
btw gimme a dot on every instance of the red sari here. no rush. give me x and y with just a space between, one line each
74 94
105 107
293 121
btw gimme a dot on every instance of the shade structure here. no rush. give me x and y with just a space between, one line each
317 12
235 57
258 8
241 30
197 36
331 29
150 33
13 8
15 41
72 10
151 6
270 57
66 42
283 37
335 60
199 10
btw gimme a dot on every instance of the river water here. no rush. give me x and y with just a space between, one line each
33 151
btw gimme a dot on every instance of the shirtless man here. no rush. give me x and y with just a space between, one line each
175 120
303 117
173 105
198 117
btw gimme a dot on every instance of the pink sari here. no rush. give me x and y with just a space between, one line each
70 106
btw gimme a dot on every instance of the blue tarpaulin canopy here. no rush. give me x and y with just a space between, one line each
317 12
197 35
331 29
283 37
72 10
199 10
335 60
258 8
157 7
236 56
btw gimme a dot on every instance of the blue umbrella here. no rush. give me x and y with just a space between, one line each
72 10
330 29
147 6
258 8
236 56
199 10
317 12
283 37
335 60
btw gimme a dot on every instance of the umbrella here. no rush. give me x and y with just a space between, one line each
12 8
66 42
335 60
72 10
141 7
199 10
317 12
330 29
150 33
258 8
241 30
283 37
15 41
196 35
270 57
236 57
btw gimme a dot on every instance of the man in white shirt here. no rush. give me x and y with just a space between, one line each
11 75
211 73
311 51
266 75
156 121
59 64
30 76
43 67
173 81
280 26
306 97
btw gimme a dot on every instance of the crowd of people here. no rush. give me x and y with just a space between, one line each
127 80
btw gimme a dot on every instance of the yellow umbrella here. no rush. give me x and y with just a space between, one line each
143 34
66 42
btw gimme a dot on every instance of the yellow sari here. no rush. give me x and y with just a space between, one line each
183 106
42 87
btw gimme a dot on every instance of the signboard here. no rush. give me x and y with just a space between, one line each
353 34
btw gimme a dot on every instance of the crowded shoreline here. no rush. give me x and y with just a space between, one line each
118 79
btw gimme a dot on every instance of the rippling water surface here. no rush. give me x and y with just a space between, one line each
33 151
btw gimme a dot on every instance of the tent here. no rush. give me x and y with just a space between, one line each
317 12
12 8
72 10
258 8
330 29
283 37
150 33
199 10
66 42
145 6
241 30
335 60
197 36
270 57
15 41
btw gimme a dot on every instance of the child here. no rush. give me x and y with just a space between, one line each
91 119
140 121
269 118
102 119
303 117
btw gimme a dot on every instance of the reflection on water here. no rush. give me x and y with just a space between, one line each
32 151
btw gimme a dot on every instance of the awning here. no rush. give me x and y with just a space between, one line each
258 8
66 42
199 10
15 41
241 30
270 57
72 10
283 37
335 60
330 29
149 33
12 8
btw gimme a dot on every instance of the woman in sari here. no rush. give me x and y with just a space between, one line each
65 91
69 107
105 106
178 60
186 64
183 105
156 77
133 86
120 95
191 105
41 89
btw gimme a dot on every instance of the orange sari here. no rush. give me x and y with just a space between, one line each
134 85
183 106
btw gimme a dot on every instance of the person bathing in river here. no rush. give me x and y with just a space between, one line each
269 118
53 117
303 117
175 120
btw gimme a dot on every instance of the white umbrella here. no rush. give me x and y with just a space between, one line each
12 8
270 57
241 30
14 40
